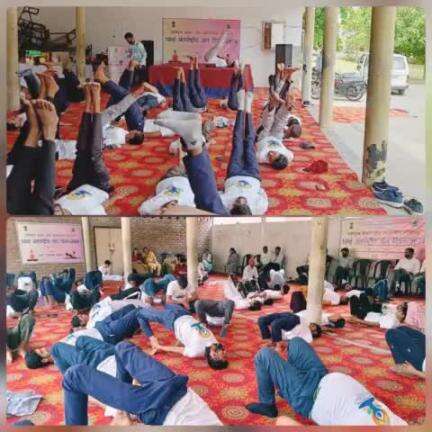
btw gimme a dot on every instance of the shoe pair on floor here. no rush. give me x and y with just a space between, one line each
392 196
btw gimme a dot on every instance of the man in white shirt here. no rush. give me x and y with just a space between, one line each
270 147
106 268
405 269
278 257
151 393
326 398
250 272
265 256
197 340
390 317
277 327
277 279
180 292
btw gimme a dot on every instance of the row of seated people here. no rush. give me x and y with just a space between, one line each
406 275
190 185
93 358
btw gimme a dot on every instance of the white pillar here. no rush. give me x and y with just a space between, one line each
12 80
378 94
308 40
85 223
328 67
126 246
317 268
192 250
80 24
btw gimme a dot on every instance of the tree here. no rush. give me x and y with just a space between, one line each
410 33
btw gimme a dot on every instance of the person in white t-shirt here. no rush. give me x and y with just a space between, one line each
270 147
277 327
326 398
197 340
153 394
106 268
100 311
202 273
405 269
389 318
277 279
179 291
173 190
278 257
250 272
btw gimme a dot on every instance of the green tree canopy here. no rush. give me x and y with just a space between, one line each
354 31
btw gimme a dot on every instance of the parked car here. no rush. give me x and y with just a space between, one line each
400 72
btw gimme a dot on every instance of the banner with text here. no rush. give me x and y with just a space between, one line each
195 37
383 237
43 243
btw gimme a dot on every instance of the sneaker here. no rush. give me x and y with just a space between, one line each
383 186
413 206
390 197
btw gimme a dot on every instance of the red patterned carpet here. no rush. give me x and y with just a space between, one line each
135 170
358 351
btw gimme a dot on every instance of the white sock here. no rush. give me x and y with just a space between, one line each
179 115
189 130
248 101
241 96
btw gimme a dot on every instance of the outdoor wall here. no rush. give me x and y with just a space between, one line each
293 236
13 258
106 27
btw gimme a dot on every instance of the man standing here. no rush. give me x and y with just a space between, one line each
138 53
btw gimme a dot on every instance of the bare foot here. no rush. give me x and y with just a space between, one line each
42 88
34 132
95 90
9 357
99 74
48 117
51 85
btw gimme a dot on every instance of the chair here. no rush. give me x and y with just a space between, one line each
10 280
359 273
378 270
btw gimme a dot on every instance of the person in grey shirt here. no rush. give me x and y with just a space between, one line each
344 265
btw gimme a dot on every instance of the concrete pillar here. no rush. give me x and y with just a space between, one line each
126 246
378 94
317 268
88 253
80 24
428 68
308 39
328 67
12 80
192 250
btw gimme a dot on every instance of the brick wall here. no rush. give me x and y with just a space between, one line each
161 234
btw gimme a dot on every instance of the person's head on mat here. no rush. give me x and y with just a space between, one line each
401 311
38 358
134 137
216 356
79 321
294 129
277 160
240 207
315 330
409 253
130 38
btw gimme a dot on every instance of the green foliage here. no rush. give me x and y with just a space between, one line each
354 32
410 33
